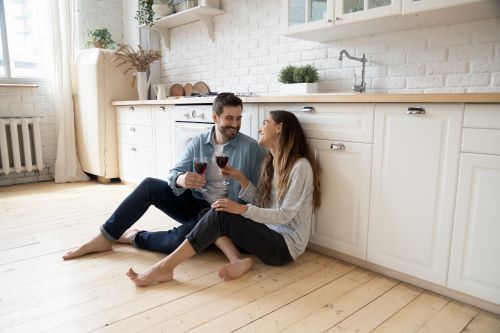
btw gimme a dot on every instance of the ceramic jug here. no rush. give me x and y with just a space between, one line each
160 90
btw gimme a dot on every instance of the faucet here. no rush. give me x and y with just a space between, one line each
362 86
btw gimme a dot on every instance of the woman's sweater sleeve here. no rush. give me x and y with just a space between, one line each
299 191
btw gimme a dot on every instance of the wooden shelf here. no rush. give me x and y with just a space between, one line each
199 13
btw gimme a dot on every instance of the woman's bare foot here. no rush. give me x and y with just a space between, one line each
96 244
235 269
155 274
128 236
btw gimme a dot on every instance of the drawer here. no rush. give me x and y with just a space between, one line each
482 116
133 115
482 141
330 121
135 135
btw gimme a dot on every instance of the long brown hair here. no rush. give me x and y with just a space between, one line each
293 145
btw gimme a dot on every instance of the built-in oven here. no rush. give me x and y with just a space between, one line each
189 121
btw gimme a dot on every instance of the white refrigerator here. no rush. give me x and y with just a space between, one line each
98 82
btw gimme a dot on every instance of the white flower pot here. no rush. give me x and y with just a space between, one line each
298 88
162 10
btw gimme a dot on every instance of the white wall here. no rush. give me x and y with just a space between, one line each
249 51
38 102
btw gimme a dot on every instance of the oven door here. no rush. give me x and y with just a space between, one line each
184 132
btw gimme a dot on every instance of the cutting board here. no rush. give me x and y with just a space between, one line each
176 90
201 88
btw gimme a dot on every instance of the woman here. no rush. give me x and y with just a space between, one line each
276 229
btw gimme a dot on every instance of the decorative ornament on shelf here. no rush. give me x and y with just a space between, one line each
298 80
100 38
139 61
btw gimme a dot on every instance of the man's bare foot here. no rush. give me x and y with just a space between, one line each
155 274
96 244
235 269
128 236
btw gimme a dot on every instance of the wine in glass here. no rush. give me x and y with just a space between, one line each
222 158
200 165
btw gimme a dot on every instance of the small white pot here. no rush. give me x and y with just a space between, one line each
298 88
162 10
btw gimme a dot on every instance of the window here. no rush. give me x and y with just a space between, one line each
20 42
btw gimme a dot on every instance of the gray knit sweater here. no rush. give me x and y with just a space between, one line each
293 216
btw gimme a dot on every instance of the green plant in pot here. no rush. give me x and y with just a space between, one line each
298 80
100 38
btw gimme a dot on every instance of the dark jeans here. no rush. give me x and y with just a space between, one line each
151 191
255 238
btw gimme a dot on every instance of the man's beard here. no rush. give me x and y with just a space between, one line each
229 132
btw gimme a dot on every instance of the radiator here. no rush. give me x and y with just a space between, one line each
20 145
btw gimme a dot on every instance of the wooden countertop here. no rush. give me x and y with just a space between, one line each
337 98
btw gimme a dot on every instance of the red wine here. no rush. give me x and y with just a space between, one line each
221 161
200 167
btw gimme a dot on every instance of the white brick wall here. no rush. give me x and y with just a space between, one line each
38 102
455 58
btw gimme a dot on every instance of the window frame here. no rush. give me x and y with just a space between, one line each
8 80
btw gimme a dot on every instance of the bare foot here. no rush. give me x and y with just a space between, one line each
235 269
128 236
155 274
96 244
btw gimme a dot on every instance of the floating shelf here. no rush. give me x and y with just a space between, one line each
199 13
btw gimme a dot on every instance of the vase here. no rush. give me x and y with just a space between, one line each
143 85
298 88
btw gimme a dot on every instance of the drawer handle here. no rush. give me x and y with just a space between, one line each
415 110
132 129
162 108
131 108
307 109
133 149
337 146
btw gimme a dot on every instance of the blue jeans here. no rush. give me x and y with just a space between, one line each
151 191
253 237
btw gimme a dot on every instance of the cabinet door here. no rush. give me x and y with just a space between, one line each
250 121
163 143
474 264
341 223
348 11
303 15
136 163
415 164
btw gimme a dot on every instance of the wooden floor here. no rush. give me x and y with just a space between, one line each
41 292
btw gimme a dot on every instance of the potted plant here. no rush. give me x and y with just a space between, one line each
100 38
139 61
163 8
298 80
144 14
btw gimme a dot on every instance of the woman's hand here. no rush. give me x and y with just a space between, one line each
228 205
235 174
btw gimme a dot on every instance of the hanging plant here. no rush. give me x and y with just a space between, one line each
145 14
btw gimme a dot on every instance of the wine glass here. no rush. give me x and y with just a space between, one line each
200 165
222 158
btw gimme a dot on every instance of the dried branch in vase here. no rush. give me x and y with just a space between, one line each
136 60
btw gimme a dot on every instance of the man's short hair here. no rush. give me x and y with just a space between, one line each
225 99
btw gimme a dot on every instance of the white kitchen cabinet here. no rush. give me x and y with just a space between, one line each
250 120
349 11
341 222
340 136
414 176
135 143
474 267
328 20
474 264
163 141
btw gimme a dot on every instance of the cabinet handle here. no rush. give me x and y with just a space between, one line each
307 109
132 129
338 18
133 149
415 110
131 108
162 108
337 146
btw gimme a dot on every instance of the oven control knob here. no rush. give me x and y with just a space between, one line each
186 115
201 116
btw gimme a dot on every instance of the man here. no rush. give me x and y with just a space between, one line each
180 198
